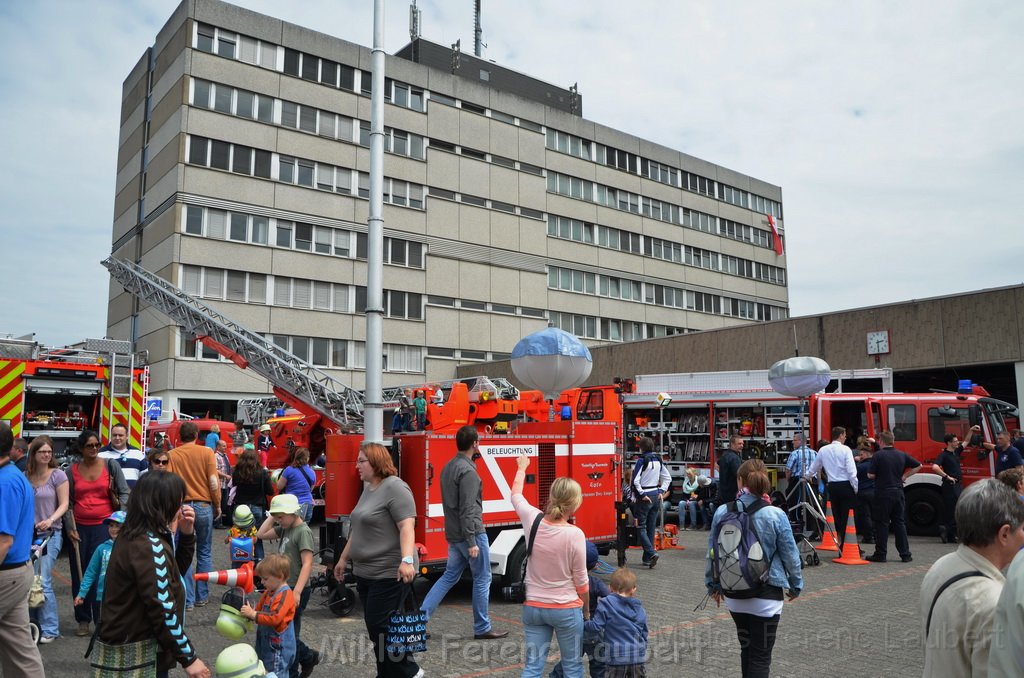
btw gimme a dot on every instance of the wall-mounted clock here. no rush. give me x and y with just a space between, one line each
878 342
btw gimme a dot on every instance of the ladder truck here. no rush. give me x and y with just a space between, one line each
584 450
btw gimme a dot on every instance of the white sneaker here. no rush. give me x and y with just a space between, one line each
47 639
419 674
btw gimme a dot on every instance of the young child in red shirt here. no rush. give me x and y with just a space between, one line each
273 614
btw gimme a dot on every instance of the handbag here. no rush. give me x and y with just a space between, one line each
115 500
129 660
407 626
36 598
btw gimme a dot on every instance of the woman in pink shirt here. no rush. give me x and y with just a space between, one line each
557 587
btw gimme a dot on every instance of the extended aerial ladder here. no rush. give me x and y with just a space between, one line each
295 381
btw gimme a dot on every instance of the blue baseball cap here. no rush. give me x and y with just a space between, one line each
592 555
115 517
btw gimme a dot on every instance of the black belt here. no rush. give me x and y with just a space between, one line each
196 501
13 566
835 482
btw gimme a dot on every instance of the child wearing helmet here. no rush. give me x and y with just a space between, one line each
274 615
97 570
243 527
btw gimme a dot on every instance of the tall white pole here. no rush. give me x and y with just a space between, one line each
374 414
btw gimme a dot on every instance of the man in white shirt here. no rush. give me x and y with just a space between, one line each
651 481
840 469
131 460
960 591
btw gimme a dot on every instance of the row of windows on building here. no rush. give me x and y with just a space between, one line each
660 172
308 173
657 248
614 287
318 351
617 198
318 295
302 237
252 106
232 45
609 329
297 171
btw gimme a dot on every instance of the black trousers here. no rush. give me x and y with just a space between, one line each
865 524
889 511
950 495
757 639
380 598
844 500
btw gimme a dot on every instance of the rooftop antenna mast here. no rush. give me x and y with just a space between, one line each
478 32
415 21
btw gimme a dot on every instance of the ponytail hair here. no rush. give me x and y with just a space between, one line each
564 497
757 483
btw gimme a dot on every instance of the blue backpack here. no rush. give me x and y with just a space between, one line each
739 565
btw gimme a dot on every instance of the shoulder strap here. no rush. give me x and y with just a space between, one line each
306 478
755 506
533 534
949 582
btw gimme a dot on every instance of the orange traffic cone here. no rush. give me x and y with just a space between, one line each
241 577
828 542
851 551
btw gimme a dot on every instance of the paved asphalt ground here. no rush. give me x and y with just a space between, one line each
858 621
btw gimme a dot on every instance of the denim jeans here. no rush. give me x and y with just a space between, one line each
48 624
646 514
567 625
757 640
688 506
591 641
199 590
480 567
307 512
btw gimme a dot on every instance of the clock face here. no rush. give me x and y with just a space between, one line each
878 342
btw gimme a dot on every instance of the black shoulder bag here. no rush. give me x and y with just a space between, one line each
517 592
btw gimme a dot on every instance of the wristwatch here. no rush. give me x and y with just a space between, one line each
407 560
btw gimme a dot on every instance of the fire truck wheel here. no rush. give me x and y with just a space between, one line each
342 601
515 569
924 508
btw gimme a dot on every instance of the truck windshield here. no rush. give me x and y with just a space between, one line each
994 411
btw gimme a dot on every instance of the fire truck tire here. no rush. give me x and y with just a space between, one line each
924 510
516 567
342 601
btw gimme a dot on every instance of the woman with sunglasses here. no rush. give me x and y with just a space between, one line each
158 459
51 489
97 488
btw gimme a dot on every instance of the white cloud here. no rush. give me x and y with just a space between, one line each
893 128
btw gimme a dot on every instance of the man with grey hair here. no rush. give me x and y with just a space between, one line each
960 591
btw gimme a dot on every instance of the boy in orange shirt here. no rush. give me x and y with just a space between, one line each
275 637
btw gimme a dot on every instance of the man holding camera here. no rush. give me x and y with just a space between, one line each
462 500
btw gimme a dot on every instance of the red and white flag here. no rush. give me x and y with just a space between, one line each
777 239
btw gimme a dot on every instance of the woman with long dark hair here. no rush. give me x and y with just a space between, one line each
252 486
144 598
51 488
96 488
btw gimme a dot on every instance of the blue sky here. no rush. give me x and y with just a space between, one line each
893 128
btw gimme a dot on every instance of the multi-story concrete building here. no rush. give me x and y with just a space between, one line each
243 178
